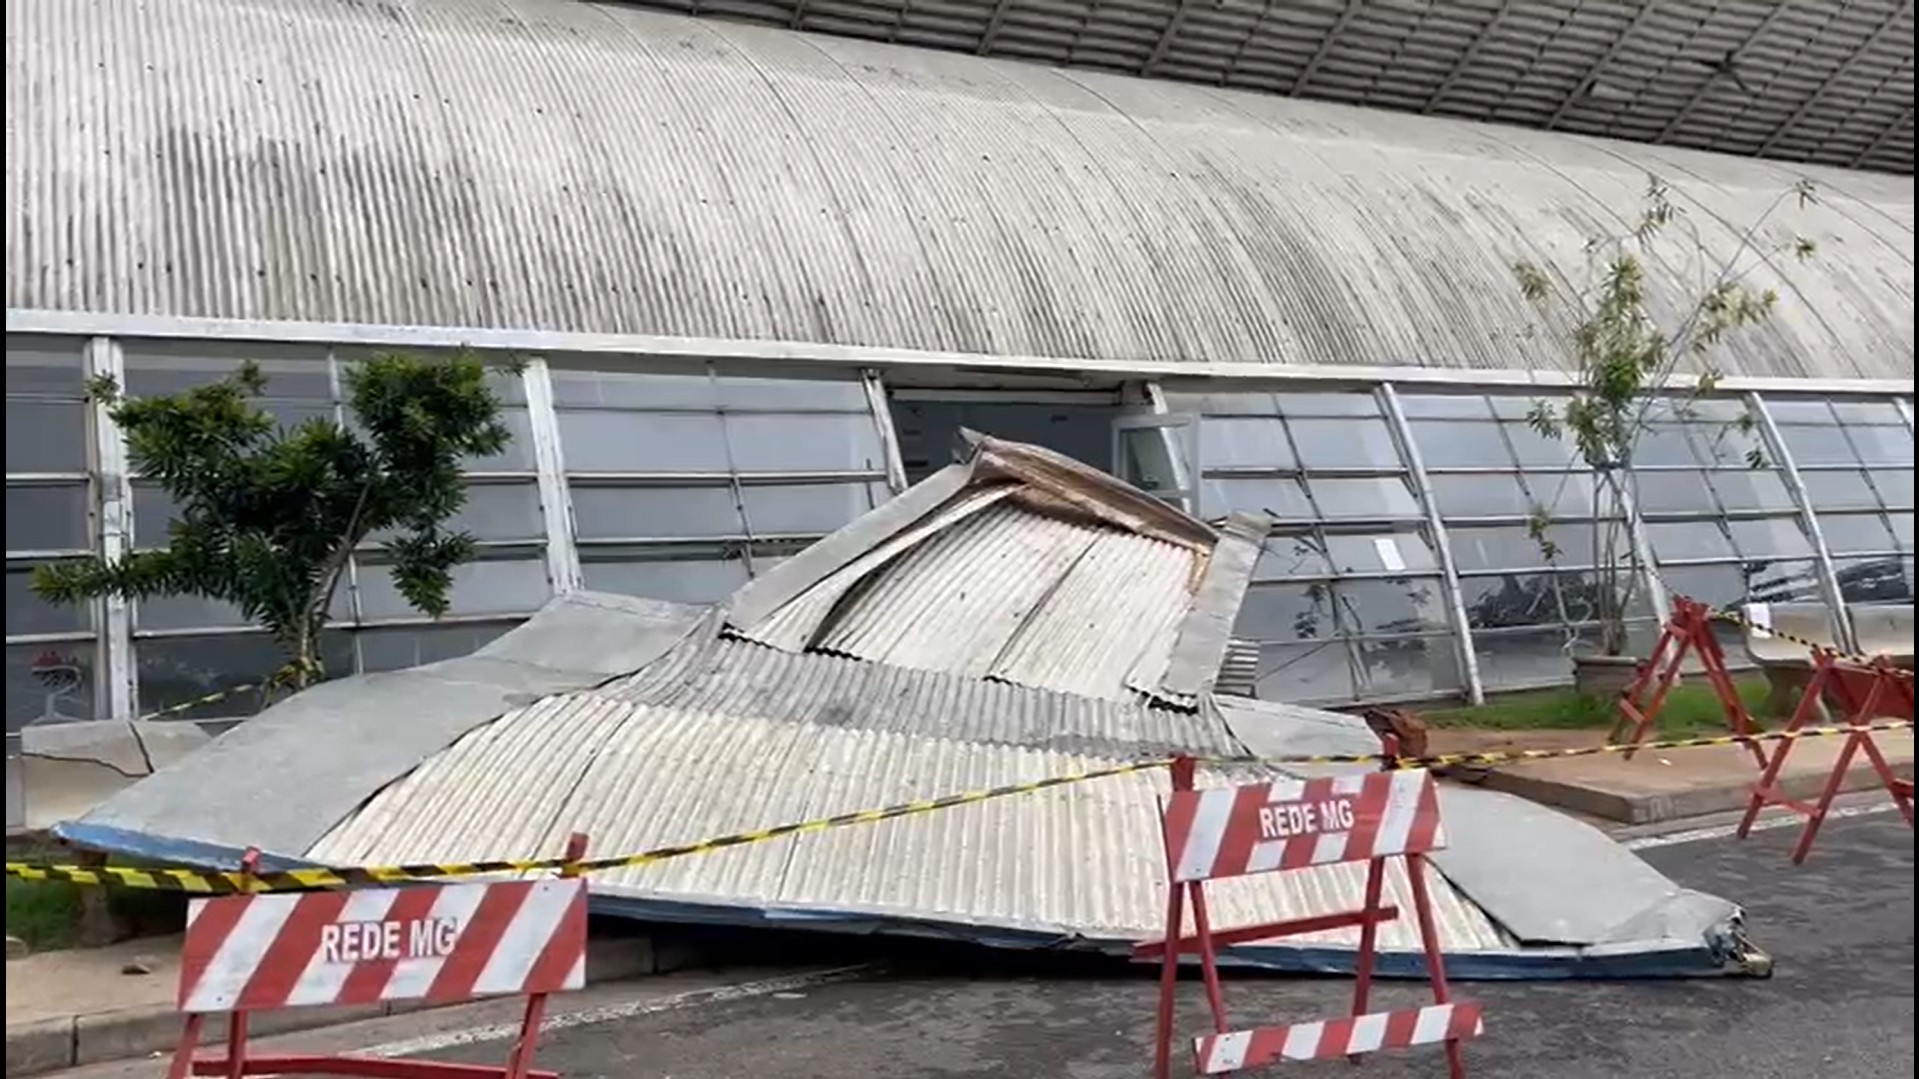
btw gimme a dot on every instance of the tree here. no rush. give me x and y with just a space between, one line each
267 517
1629 365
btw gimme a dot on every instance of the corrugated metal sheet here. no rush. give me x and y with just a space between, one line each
596 168
1079 861
1239 674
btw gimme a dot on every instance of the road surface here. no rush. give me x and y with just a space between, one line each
1840 1006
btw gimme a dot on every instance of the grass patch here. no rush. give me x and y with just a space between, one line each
1691 710
46 913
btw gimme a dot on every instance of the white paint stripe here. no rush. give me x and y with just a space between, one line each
413 977
193 910
610 1013
1402 809
1266 856
1225 1053
239 956
1285 790
1201 852
1302 1041
1330 847
1434 1020
1764 824
526 937
1369 1033
321 981
1351 782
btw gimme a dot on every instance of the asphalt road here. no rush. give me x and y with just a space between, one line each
1840 1005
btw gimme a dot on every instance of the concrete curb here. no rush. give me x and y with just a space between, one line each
69 1041
1668 806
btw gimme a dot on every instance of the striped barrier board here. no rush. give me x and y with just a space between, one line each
433 943
1330 1039
1296 824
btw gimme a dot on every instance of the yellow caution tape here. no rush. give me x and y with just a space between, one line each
222 882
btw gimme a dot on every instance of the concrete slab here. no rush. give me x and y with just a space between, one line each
1674 784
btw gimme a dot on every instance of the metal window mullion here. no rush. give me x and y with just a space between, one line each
115 667
1775 443
1905 411
881 412
549 463
1448 570
1642 550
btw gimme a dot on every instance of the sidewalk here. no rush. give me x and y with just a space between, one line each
1658 785
69 1008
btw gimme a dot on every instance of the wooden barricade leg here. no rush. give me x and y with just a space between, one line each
1688 631
1880 696
1182 775
1767 791
519 1063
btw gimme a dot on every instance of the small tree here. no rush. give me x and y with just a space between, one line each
1630 364
266 517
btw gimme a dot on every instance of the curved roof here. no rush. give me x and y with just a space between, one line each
594 168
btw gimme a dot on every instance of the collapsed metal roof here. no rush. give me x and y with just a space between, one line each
550 165
1082 624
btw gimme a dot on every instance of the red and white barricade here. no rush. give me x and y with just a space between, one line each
436 943
1291 824
1864 693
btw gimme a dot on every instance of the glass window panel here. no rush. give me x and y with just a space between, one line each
499 586
392 648
1769 536
1720 585
1563 494
1856 533
1443 407
1345 443
1801 411
1244 442
1750 490
1686 540
175 670
28 613
1394 606
46 436
1222 404
1511 599
48 518
1286 612
1790 580
1284 499
690 390
1327 404
1514 547
1882 445
1526 658
518 454
1584 594
1818 446
1901 529
191 612
1480 494
813 509
49 683
816 442
1675 491
1727 446
1291 556
493 513
1370 496
1536 450
605 441
1452 444
1881 413
792 394
698 577
1315 672
1874 580
1894 487
293 372
46 366
1408 665
628 513
1844 489
1663 444
1393 552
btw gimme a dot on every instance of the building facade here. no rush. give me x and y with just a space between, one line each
762 280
